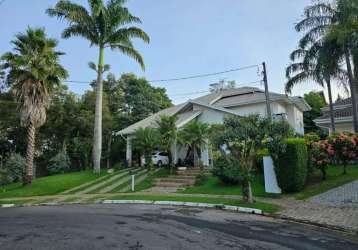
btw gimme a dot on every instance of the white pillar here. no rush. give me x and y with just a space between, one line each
129 151
174 151
205 155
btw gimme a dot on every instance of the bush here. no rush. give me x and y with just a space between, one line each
259 159
228 170
310 139
15 167
118 166
291 165
59 164
319 156
4 177
343 147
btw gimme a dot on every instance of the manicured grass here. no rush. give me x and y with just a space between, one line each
149 181
214 186
49 185
129 181
335 178
268 208
96 181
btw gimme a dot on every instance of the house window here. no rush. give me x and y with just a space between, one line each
279 117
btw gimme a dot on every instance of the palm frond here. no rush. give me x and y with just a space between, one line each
131 52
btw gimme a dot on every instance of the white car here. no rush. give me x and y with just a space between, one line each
159 159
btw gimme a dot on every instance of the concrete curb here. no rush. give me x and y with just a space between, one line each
7 205
188 204
316 224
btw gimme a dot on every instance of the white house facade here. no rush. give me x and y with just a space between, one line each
214 107
343 117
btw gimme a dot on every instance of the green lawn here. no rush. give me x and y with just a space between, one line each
268 208
335 178
214 186
314 185
49 185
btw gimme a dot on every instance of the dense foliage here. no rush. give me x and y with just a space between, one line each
59 164
15 167
70 121
291 165
238 142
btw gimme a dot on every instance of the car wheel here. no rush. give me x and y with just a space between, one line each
159 164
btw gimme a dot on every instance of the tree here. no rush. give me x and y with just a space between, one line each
238 142
33 71
336 24
145 140
195 135
316 101
168 135
104 26
316 61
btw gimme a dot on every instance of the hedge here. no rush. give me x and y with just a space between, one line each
291 166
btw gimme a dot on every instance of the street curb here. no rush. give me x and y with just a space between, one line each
7 205
316 224
188 204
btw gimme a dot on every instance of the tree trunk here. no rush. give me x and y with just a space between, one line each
170 158
344 168
247 192
353 90
109 147
27 180
97 137
331 111
324 175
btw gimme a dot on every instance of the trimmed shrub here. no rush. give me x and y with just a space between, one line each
228 170
59 164
15 167
291 165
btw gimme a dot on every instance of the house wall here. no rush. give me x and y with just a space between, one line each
259 108
295 118
294 115
210 116
344 127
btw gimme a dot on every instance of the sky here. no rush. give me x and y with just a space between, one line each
187 38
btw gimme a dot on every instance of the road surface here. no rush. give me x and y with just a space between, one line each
151 227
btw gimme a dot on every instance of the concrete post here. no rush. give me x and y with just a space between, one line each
129 151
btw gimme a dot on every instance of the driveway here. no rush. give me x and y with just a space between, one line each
152 227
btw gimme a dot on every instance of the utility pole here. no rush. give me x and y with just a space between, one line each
267 94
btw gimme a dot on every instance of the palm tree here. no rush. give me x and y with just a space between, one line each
168 135
315 60
336 22
145 140
33 72
195 135
104 26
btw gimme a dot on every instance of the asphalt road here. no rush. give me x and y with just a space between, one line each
151 227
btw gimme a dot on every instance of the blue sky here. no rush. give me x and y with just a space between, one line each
187 38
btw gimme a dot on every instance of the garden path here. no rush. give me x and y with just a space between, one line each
343 195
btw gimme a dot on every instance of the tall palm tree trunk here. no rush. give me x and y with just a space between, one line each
27 180
331 111
353 89
97 137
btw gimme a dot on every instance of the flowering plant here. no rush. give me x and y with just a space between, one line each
343 147
320 156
